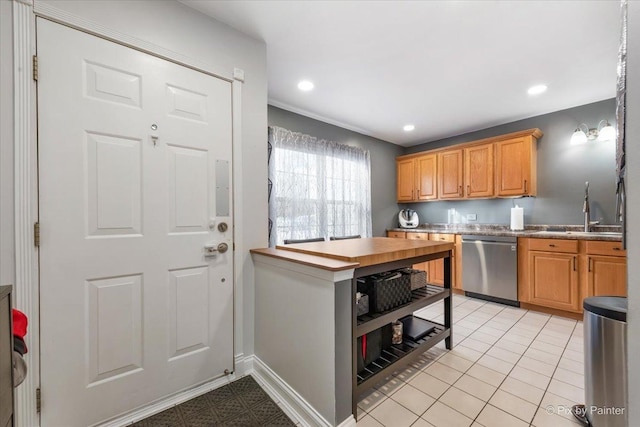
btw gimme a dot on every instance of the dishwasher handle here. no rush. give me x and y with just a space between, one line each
490 239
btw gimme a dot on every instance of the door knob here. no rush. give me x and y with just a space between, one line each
210 250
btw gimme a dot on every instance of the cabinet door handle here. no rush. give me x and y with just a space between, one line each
552 245
468 189
616 248
525 185
574 264
589 263
460 190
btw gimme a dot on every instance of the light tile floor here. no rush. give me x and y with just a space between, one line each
509 367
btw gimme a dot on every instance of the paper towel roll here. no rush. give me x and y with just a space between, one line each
517 218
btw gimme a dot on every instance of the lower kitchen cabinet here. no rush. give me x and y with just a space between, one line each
606 269
553 280
559 274
435 269
397 234
414 236
607 275
457 259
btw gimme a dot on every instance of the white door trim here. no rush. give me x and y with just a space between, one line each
26 175
49 11
26 204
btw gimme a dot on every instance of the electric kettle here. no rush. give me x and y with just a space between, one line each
408 218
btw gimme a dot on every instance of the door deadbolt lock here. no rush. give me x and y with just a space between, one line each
222 227
211 250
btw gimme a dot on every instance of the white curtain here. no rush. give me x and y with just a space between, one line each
318 188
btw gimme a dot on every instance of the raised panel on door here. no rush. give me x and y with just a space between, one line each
607 276
514 165
113 167
450 172
478 171
189 193
114 327
553 279
405 180
189 311
426 176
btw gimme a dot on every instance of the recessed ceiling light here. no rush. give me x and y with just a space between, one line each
305 85
408 128
537 89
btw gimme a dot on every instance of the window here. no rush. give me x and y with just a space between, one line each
319 188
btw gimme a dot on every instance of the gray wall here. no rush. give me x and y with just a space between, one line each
384 206
562 172
632 138
7 264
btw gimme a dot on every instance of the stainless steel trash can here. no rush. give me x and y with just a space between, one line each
605 356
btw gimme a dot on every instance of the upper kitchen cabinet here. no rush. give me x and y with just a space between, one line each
478 171
426 177
417 178
516 165
406 180
500 166
450 173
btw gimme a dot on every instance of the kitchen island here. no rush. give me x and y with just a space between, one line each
306 327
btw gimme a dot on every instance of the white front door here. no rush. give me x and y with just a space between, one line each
134 179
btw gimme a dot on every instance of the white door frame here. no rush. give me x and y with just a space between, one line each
26 176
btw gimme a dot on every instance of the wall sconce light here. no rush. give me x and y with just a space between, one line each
604 132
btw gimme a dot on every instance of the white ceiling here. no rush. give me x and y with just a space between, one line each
448 67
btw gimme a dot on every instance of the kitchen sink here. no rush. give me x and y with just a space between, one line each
596 233
584 233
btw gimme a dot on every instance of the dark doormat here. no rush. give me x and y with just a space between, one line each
240 403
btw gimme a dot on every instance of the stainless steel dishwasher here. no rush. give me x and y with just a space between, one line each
490 268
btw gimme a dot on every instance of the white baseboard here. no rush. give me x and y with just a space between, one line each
349 422
243 365
294 405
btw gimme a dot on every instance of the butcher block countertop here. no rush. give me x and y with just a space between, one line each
353 253
304 259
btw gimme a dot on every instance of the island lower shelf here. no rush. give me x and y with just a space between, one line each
406 352
410 349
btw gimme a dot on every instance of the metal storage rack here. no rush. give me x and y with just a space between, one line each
409 350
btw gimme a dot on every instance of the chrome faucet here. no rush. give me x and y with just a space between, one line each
585 208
